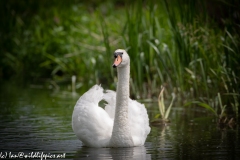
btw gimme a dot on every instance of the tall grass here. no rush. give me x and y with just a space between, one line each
179 48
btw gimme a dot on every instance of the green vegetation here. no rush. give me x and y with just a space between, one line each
186 46
164 112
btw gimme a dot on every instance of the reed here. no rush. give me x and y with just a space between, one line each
186 54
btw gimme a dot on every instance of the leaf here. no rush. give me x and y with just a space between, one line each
161 103
170 106
157 116
204 105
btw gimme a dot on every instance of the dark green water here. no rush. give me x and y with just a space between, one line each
36 121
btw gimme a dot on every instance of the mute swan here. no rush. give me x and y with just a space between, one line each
123 123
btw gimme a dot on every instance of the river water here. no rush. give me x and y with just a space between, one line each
36 123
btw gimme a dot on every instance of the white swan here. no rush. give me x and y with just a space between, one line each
123 123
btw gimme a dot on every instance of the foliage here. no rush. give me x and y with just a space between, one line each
194 62
175 44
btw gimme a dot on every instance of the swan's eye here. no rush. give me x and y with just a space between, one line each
117 54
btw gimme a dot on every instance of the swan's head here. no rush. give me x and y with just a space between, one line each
121 58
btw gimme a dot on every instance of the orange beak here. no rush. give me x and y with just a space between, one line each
117 61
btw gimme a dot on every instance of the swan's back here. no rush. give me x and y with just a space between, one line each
93 125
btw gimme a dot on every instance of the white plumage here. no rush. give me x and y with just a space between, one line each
123 123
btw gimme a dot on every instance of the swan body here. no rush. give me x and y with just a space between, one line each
123 122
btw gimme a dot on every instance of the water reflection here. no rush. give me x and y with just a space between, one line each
165 142
138 153
37 120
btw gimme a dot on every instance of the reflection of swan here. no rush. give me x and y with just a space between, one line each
123 123
133 153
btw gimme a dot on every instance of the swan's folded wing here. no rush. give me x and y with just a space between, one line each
110 97
139 122
91 123
93 95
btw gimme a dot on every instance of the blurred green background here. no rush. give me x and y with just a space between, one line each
190 47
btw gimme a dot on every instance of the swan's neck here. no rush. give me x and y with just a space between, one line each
123 87
121 134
